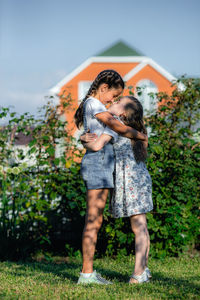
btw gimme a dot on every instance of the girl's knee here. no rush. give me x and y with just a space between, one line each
94 221
140 228
138 223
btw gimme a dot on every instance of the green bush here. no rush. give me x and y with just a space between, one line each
42 207
37 207
174 166
173 163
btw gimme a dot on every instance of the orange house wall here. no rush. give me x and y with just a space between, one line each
148 72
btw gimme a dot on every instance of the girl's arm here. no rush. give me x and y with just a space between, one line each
98 143
127 131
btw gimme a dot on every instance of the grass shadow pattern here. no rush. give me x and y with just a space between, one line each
172 279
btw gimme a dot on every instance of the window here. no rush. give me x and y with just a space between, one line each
77 135
83 88
145 94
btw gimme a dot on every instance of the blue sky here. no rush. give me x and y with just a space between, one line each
43 40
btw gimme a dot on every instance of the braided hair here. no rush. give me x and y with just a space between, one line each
111 78
134 118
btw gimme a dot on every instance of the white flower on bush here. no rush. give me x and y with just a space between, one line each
64 220
9 170
1 169
10 215
23 166
16 170
182 235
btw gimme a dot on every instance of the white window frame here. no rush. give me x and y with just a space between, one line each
83 87
147 86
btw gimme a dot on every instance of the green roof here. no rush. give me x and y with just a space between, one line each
120 49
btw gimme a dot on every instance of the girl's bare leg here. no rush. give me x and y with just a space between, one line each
148 248
142 243
96 200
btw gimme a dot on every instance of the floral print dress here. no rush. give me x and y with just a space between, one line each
132 194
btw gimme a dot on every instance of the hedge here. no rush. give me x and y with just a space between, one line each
42 207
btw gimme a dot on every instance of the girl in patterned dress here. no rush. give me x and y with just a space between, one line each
132 194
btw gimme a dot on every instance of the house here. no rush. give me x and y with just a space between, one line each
137 71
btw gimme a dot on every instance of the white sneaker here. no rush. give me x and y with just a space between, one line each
148 272
140 278
93 278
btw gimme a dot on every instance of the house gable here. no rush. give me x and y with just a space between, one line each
100 63
130 63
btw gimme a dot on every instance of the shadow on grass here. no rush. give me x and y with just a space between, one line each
113 275
181 285
63 270
172 287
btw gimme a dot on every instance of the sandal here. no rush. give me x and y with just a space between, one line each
140 278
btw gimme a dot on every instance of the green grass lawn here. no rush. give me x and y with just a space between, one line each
172 279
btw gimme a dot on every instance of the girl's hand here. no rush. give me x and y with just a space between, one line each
146 141
88 137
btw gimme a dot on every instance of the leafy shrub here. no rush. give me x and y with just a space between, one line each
37 207
173 163
42 206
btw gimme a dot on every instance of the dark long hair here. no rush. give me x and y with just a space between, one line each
111 78
134 118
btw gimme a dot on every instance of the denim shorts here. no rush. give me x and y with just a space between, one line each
97 168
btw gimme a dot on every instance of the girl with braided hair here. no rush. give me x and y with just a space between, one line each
97 167
132 194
